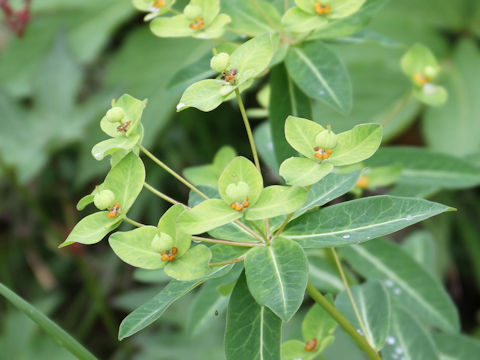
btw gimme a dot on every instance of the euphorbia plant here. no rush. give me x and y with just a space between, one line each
262 239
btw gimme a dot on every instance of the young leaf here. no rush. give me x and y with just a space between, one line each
425 167
204 95
319 325
319 73
408 338
359 220
126 181
92 228
301 133
207 216
146 314
304 172
298 21
356 145
109 146
135 247
330 187
418 59
276 200
373 303
406 281
277 276
253 332
282 104
191 265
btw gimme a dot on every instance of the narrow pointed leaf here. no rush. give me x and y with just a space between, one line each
373 303
277 200
154 308
253 332
319 73
207 216
277 276
360 220
327 189
406 281
408 338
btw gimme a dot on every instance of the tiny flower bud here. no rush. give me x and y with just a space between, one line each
192 12
115 114
162 242
104 199
220 62
326 139
237 192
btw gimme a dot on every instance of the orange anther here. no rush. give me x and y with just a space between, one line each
174 250
363 182
421 79
319 156
123 127
164 257
321 9
246 204
233 205
326 156
310 345
113 211
171 258
229 75
238 207
329 152
158 4
197 24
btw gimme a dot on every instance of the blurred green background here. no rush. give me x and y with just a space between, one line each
59 78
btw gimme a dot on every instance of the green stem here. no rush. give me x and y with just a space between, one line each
347 287
342 321
249 130
161 195
226 242
397 109
133 222
226 262
250 231
285 222
171 172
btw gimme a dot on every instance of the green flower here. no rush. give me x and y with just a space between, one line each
421 67
153 7
313 14
200 19
245 63
323 150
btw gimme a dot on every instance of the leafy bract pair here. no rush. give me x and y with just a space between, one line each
122 124
200 19
153 7
312 14
242 195
421 67
351 147
163 247
245 63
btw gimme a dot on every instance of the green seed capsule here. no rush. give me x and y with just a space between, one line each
326 139
220 62
115 114
162 242
192 12
237 192
104 199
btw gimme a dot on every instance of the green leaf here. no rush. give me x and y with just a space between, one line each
295 349
323 275
175 26
320 74
204 95
146 314
406 281
301 133
408 338
126 180
417 59
239 170
282 104
298 21
88 199
339 8
248 16
193 72
264 141
319 325
356 145
276 200
425 167
253 332
374 308
359 220
277 276
133 109
461 136
327 189
191 265
109 146
304 172
135 247
50 327
92 228
456 347
207 216
431 94
421 246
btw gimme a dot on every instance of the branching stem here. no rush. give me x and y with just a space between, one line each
226 242
161 195
133 222
227 262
